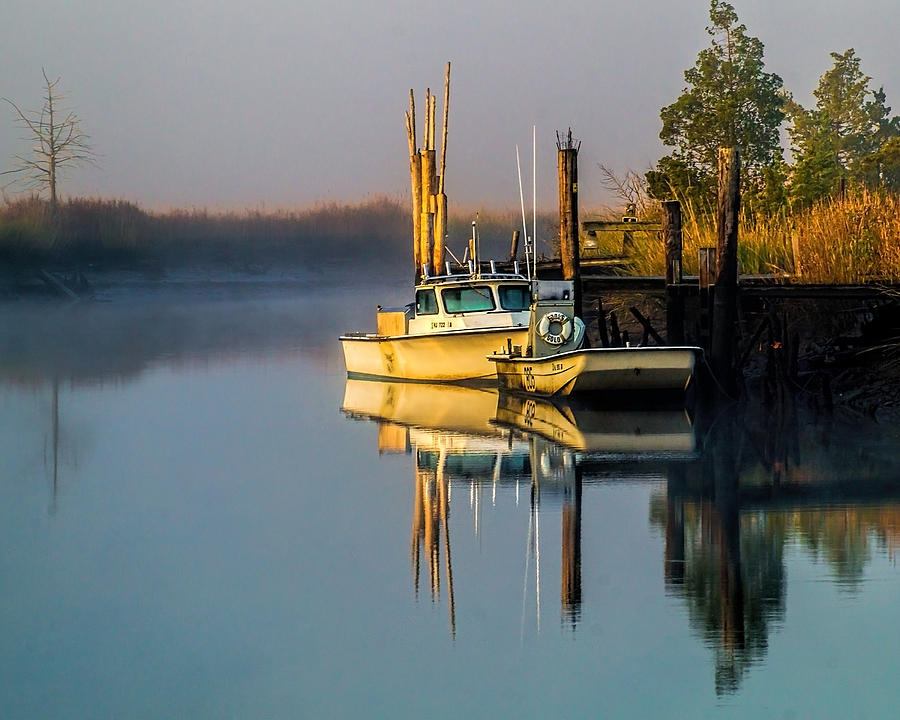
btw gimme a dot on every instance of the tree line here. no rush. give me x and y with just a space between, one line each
847 138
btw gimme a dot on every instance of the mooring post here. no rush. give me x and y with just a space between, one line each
415 173
440 231
426 238
428 185
725 300
514 246
440 199
706 283
672 237
569 250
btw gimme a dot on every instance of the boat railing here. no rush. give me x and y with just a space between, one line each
465 277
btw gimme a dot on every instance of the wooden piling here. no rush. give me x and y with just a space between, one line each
426 237
672 237
429 202
440 231
444 130
415 174
569 249
725 300
707 281
707 276
514 246
440 201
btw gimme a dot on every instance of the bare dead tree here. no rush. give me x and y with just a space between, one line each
631 189
58 142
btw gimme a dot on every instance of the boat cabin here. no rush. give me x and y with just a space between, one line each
456 302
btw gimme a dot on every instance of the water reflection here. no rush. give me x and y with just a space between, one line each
477 439
742 489
53 353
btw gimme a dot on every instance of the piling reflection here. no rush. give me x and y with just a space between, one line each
479 439
743 490
762 485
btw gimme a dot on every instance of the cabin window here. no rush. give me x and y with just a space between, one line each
467 299
426 302
514 297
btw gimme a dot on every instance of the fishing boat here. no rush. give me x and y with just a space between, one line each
548 367
455 323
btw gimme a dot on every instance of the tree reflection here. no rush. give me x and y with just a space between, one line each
726 566
728 518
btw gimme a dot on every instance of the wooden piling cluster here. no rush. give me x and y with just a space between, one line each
429 201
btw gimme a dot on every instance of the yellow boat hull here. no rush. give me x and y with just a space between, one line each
440 357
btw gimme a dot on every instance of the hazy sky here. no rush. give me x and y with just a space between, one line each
290 102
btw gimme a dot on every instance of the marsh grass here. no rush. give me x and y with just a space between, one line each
116 233
853 240
111 233
850 240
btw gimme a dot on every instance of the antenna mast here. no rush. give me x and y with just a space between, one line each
522 203
534 194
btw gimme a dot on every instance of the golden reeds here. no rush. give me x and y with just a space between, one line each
850 240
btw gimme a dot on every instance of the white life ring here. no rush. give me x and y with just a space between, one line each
565 328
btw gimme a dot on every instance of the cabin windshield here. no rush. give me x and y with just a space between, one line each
514 297
426 302
467 299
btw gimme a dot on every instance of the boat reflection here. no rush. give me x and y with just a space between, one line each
732 508
478 438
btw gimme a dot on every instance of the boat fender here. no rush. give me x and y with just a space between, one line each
565 328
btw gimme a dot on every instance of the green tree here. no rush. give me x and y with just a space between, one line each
730 101
846 135
883 166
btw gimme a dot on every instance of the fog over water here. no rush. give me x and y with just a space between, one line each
288 103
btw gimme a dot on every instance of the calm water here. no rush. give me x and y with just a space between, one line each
201 518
